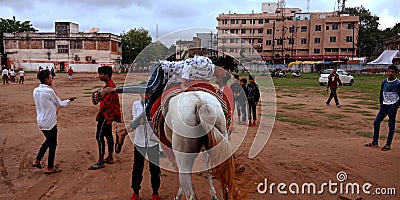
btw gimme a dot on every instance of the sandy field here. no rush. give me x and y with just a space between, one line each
310 143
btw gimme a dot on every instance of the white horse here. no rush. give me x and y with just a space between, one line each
195 121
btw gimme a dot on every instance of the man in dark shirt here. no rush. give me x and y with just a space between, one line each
253 97
333 83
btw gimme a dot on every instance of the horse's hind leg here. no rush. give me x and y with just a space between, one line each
213 193
185 164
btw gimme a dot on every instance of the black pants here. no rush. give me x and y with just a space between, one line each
252 110
154 161
104 130
51 144
333 95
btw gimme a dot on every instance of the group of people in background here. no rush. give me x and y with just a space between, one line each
9 75
246 96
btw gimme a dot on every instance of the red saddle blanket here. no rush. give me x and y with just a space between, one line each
224 96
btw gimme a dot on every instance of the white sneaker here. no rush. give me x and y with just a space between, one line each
328 104
338 105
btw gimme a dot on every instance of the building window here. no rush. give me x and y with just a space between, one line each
62 29
76 44
304 29
62 48
291 29
349 38
332 39
266 21
335 26
231 50
327 28
224 21
49 44
232 40
260 30
350 26
269 31
303 41
260 21
317 40
291 40
243 21
317 27
268 42
260 40
243 31
334 50
317 51
233 21
279 42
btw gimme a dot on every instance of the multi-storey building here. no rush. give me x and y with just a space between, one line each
280 34
66 47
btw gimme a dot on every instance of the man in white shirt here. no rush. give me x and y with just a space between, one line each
46 102
145 142
21 76
12 75
4 74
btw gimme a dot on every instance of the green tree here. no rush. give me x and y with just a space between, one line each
369 36
13 26
133 42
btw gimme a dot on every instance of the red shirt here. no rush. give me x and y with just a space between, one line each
334 81
70 71
110 106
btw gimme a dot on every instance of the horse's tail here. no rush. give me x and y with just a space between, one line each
218 149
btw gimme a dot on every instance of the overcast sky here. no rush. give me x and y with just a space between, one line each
116 16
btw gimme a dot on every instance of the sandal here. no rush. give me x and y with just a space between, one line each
118 144
371 145
56 170
97 165
37 165
109 160
385 148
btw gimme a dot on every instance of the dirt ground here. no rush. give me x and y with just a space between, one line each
310 143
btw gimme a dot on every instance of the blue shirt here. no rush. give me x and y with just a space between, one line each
389 91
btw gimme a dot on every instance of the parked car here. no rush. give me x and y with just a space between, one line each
345 77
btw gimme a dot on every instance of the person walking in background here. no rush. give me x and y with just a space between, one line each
21 74
4 75
389 103
235 87
70 73
333 83
53 73
242 101
12 75
109 112
46 102
145 142
253 97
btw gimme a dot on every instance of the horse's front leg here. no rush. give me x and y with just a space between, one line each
180 193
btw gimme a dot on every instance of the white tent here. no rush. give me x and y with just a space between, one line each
386 57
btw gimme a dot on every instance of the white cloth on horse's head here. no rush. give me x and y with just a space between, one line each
197 68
